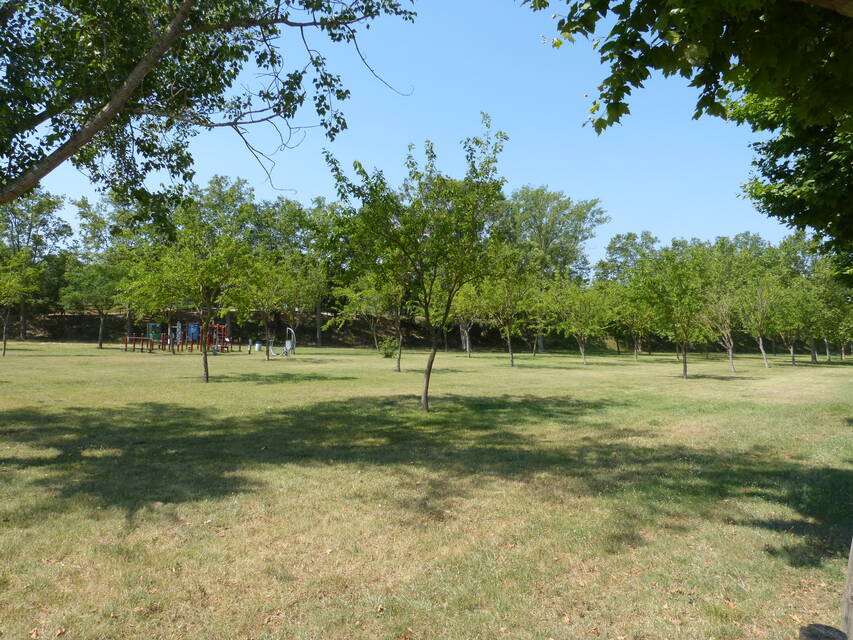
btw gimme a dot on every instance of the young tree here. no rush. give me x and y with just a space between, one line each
32 227
580 311
674 282
18 281
505 293
435 224
92 286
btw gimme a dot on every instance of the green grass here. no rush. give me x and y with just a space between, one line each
308 497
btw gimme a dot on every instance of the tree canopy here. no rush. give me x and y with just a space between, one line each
120 87
782 66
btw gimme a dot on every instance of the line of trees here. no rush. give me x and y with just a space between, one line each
439 251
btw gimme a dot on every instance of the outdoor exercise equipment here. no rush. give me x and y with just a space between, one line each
289 346
182 336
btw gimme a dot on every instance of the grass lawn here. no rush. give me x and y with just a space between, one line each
308 497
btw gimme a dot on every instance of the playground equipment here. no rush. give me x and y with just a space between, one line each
182 337
289 346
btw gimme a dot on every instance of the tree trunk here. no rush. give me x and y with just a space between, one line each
813 350
399 343
540 342
582 347
318 323
444 332
841 354
5 324
636 349
267 332
205 330
684 360
428 372
509 348
23 327
677 353
731 355
618 351
847 603
101 332
763 354
793 357
128 322
375 337
828 352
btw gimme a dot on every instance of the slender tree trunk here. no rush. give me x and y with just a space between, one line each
267 332
128 322
582 347
828 352
677 352
399 342
101 331
763 354
428 370
318 323
205 330
5 325
793 356
684 360
540 342
813 350
636 349
23 328
842 354
731 356
618 351
509 347
375 337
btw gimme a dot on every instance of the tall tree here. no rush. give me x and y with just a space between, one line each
31 226
435 224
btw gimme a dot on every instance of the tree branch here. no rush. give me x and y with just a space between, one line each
105 114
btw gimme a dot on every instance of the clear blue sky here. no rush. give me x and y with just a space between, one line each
659 170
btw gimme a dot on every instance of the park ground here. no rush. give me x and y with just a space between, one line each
308 497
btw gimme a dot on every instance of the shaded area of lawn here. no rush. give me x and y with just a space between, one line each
169 453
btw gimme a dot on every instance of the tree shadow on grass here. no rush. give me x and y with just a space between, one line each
277 377
158 452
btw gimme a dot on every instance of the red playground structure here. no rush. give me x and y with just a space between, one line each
182 337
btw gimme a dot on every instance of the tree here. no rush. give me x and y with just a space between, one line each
434 224
274 282
674 282
32 227
18 281
784 62
756 301
580 311
199 266
622 254
120 87
92 286
794 313
505 293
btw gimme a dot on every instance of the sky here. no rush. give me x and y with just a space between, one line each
659 170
